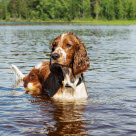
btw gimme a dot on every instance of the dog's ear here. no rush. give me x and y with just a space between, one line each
81 60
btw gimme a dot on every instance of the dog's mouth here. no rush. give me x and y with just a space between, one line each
59 61
57 69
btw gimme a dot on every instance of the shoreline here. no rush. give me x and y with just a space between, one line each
73 22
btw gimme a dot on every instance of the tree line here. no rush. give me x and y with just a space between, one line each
67 10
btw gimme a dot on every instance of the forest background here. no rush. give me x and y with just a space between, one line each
68 11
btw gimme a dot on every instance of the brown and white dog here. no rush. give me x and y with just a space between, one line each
62 76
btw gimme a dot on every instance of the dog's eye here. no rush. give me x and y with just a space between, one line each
68 45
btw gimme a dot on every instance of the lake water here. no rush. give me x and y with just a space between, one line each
111 83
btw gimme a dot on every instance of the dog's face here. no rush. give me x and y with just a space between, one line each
68 50
63 48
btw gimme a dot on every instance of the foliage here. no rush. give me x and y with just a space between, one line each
97 9
67 10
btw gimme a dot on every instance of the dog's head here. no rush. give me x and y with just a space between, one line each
68 50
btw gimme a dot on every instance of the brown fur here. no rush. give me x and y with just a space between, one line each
45 79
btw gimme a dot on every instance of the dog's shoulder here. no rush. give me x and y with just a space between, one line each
41 65
43 68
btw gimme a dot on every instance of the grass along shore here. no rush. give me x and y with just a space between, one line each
106 22
77 21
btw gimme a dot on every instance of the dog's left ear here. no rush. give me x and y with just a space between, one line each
81 61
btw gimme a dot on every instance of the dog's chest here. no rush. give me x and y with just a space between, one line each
70 93
72 88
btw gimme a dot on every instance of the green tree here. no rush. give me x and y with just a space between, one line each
133 9
86 8
126 5
108 9
120 14
3 9
97 9
13 8
67 9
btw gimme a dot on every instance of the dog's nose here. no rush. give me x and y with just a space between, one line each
55 56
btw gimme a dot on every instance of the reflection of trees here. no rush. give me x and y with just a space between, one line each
68 117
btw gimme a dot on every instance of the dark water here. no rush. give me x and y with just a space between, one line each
111 83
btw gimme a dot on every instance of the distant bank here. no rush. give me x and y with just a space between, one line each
74 22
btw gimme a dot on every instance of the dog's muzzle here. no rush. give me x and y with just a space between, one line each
55 56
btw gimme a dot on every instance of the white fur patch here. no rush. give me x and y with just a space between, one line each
81 91
39 65
19 76
30 86
67 81
73 94
17 72
62 36
59 50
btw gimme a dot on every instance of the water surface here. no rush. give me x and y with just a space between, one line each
111 83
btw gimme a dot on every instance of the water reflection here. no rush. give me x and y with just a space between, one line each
67 116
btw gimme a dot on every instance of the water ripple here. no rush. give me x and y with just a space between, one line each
111 106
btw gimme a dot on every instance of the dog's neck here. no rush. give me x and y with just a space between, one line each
72 87
69 79
65 76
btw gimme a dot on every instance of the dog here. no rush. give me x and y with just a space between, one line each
62 76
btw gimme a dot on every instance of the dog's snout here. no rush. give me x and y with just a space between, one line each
55 56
